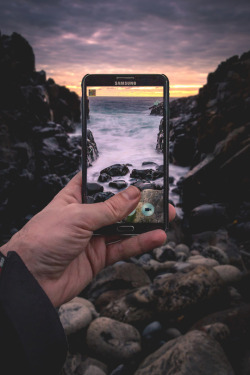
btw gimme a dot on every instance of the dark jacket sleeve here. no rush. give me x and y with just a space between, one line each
32 339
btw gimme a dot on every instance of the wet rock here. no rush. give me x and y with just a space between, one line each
193 353
229 274
93 188
171 296
152 336
144 185
149 163
118 184
102 196
200 260
92 150
113 340
76 315
113 282
215 253
104 177
116 170
147 174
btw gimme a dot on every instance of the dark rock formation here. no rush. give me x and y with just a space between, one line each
37 156
116 170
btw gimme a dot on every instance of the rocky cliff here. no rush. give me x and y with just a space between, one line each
37 155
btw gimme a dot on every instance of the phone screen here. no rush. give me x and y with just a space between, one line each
125 146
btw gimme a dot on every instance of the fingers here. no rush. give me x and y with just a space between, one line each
172 212
114 209
134 245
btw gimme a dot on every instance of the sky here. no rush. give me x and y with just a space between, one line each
184 39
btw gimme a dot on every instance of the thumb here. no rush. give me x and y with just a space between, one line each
115 208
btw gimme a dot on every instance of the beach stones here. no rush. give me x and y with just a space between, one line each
171 296
215 253
104 177
116 170
113 340
76 315
93 188
147 174
76 365
113 282
229 274
194 353
118 184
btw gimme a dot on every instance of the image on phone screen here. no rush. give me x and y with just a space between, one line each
125 146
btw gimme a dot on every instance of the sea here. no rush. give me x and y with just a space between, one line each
126 133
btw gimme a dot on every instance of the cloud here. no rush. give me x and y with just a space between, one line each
173 37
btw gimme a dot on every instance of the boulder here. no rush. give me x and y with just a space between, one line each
194 353
113 282
172 296
116 170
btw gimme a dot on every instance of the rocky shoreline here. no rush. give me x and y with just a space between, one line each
181 308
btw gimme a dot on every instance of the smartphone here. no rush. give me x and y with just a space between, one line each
125 142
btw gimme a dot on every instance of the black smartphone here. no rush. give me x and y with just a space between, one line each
125 142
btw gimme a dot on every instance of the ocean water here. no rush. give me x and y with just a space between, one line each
126 133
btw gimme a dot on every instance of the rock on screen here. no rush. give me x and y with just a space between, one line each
125 147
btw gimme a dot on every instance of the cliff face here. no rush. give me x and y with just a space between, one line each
37 156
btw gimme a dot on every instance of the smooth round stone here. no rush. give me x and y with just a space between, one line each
152 331
76 315
217 331
118 184
113 340
182 248
215 253
172 333
202 261
119 370
229 274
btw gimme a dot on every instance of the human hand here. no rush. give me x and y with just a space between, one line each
59 249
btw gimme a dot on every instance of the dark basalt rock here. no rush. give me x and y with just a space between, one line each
147 174
104 177
102 196
194 353
118 184
93 188
116 170
149 163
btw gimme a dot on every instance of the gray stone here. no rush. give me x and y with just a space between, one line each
218 331
182 248
194 353
113 340
202 261
113 282
215 253
171 296
164 253
229 274
76 315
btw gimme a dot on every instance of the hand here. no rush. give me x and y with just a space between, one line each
58 248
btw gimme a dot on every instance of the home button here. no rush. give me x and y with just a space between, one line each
125 228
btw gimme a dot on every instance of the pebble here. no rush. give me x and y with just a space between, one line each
202 261
229 274
112 340
215 253
76 315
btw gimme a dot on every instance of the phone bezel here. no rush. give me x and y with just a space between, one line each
141 80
